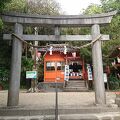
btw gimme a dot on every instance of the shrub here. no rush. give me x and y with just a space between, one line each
114 82
4 76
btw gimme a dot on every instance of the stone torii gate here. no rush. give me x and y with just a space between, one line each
93 21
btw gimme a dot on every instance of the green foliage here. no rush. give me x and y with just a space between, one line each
93 9
110 5
109 46
43 7
3 3
1 24
4 76
113 29
87 54
27 64
4 71
5 54
114 82
15 6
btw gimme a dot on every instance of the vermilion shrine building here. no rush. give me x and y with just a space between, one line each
54 64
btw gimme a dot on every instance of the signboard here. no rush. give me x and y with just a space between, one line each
66 74
31 74
89 71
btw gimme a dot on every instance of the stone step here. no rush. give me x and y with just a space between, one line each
75 86
99 116
79 81
75 90
76 83
51 111
107 116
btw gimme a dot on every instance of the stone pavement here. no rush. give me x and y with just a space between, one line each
72 106
47 99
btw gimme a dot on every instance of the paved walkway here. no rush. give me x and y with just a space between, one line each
47 99
72 106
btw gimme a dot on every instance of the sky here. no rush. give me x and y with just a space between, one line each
75 7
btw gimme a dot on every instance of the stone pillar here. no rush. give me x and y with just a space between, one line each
14 83
98 67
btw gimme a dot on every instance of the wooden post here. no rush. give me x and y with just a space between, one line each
35 63
14 83
36 44
98 67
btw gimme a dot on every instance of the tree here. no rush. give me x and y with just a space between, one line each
93 9
5 50
86 52
41 7
110 5
15 6
113 29
2 5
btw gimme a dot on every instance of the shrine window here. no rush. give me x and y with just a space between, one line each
60 65
50 66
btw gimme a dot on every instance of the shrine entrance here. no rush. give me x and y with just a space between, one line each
20 20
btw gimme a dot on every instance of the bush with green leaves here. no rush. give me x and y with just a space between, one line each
27 64
4 77
114 82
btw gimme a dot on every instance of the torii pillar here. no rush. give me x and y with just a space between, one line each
14 83
98 67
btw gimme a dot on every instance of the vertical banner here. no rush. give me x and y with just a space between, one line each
66 74
89 71
105 78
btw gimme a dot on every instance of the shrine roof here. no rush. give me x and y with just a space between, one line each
58 47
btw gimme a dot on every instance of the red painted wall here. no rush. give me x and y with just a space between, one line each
50 76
